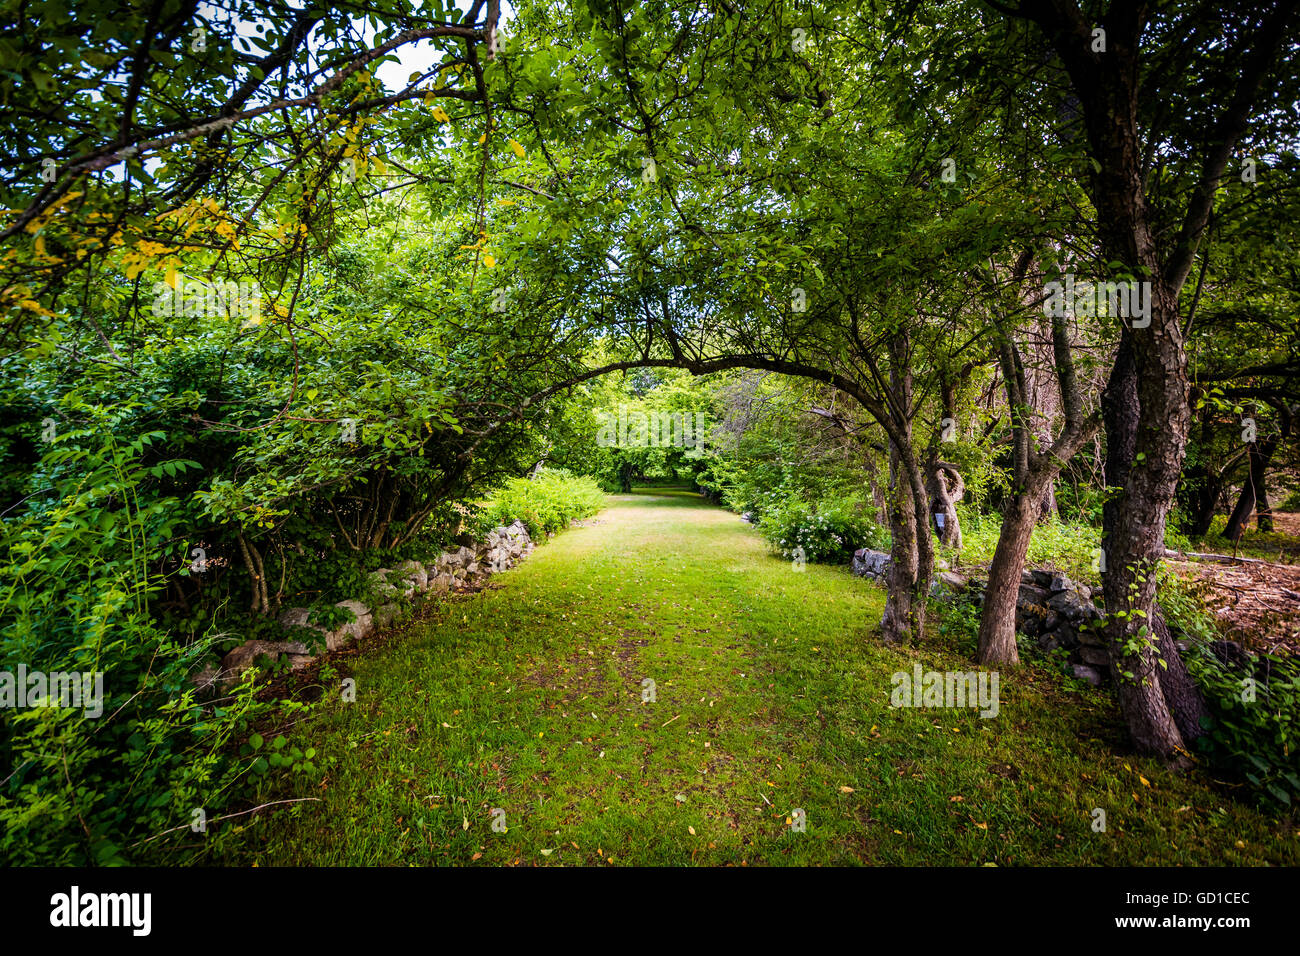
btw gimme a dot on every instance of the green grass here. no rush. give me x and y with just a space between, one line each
1266 545
772 694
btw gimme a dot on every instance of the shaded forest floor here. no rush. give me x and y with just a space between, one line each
771 694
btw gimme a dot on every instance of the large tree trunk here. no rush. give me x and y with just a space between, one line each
1048 509
1254 496
897 625
912 550
1133 543
1146 406
997 634
1180 691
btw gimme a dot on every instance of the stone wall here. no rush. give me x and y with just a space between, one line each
1052 609
461 570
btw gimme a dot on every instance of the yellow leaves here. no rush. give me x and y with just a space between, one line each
1145 781
847 790
691 830
31 305
35 225
41 254
482 139
151 249
982 826
441 115
489 261
519 150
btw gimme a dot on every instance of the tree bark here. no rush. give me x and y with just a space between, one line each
911 548
1180 691
1131 528
997 634
1033 471
1254 496
1147 409
946 488
897 624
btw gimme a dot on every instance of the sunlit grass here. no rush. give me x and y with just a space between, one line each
772 694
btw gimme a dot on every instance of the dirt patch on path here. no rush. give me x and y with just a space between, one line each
1259 604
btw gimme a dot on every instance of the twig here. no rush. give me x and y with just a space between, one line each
228 816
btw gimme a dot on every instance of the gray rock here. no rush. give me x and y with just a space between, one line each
1030 595
1064 601
1060 582
206 681
1066 635
299 617
239 660
414 572
1096 656
868 563
356 629
1090 674
379 583
1091 637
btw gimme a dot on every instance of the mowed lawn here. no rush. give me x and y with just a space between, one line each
771 695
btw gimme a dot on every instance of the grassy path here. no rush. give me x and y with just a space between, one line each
772 693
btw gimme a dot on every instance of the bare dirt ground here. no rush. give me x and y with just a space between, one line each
1258 603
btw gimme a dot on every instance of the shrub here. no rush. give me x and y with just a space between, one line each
93 785
1253 740
827 531
546 502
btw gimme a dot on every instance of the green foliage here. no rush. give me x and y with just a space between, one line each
1183 605
827 531
545 502
82 787
1256 741
1069 546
